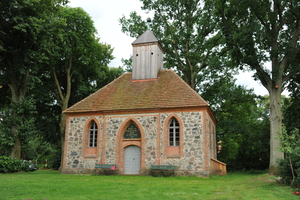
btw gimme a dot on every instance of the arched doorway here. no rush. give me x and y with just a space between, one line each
132 159
131 136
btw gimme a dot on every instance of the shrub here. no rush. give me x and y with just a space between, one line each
41 150
27 166
9 165
289 167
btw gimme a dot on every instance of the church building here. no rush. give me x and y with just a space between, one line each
147 117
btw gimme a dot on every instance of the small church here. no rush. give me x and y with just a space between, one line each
147 117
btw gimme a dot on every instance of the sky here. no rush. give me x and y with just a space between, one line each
106 15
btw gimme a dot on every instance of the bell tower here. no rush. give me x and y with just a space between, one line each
147 57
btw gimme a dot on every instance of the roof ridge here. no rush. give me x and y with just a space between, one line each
99 90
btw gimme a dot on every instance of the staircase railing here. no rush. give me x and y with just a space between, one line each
217 167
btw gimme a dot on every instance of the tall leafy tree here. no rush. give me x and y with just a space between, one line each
22 34
259 32
75 56
292 110
188 35
242 119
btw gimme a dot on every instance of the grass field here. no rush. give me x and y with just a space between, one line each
52 185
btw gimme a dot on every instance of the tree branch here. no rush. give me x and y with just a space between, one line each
60 94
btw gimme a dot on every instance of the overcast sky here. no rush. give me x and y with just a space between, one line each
106 14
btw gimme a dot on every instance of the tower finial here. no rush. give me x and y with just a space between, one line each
148 22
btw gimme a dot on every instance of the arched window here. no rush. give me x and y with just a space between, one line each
93 135
174 133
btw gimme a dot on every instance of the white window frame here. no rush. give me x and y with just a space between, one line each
174 133
93 134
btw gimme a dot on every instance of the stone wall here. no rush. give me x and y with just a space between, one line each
75 147
191 162
112 127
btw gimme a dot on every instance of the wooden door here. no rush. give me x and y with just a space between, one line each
132 160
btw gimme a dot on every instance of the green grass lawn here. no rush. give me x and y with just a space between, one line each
53 185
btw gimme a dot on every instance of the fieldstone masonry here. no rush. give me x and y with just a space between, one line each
190 163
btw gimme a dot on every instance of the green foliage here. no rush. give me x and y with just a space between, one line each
188 34
9 165
23 29
290 143
77 59
259 32
41 150
18 116
243 126
127 64
7 139
292 105
289 167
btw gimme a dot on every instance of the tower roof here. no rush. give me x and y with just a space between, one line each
146 37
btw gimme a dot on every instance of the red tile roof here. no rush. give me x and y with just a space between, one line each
167 91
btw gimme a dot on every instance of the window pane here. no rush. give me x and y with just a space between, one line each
174 133
93 135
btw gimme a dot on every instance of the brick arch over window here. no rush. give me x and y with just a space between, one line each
91 146
123 143
171 149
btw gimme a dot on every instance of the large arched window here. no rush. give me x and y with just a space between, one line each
93 134
174 132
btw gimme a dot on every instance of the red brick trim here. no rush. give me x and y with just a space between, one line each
158 140
64 160
103 145
142 111
167 148
205 138
86 150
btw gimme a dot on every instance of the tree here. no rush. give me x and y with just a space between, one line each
291 111
289 167
75 58
259 32
22 34
188 35
242 123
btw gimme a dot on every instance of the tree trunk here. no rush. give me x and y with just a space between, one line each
64 101
16 150
275 127
62 125
18 89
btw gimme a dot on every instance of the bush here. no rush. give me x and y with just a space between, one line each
289 167
27 166
9 165
285 171
41 150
